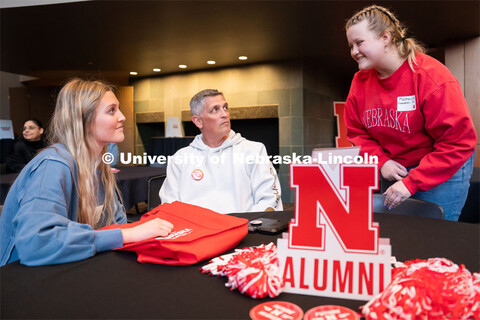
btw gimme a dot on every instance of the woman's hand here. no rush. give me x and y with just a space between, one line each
396 194
393 171
150 229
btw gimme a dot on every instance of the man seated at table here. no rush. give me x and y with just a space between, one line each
221 170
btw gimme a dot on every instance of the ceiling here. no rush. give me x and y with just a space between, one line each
112 38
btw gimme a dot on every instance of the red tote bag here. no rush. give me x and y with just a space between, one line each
198 234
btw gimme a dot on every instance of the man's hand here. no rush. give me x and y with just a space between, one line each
393 171
396 194
150 229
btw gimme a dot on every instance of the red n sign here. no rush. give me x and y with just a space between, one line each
349 218
341 140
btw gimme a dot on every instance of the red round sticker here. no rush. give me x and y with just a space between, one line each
276 310
197 174
331 313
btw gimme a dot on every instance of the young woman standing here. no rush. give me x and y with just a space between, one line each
408 109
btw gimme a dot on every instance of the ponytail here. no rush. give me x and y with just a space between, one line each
381 20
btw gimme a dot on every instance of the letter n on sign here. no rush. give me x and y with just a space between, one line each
333 247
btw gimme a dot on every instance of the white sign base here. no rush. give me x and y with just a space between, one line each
334 273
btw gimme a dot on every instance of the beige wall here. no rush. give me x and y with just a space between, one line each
463 60
242 86
125 97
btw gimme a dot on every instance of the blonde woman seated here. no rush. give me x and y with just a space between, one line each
64 194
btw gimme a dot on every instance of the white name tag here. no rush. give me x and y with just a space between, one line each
406 103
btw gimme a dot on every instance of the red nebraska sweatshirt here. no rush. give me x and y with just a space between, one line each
417 118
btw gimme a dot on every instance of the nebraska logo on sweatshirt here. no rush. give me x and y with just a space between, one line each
383 117
176 234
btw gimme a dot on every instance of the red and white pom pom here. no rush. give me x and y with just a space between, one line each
428 289
254 271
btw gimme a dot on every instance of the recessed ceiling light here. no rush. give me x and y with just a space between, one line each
157 69
211 62
243 58
133 73
182 66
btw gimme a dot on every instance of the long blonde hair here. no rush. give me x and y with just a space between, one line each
381 20
71 125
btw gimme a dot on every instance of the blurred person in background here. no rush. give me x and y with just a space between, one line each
26 148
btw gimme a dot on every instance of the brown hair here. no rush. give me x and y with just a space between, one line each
381 20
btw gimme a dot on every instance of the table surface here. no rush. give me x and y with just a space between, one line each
115 285
6 181
133 183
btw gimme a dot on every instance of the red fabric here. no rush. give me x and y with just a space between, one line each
437 135
198 234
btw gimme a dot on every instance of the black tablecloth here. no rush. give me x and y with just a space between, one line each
114 285
6 181
167 146
132 181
